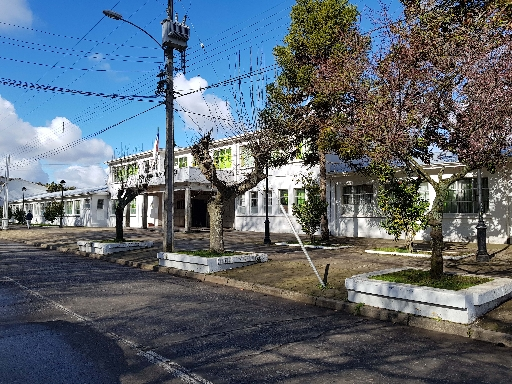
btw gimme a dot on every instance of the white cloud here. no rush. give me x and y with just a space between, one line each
83 177
202 112
53 143
15 12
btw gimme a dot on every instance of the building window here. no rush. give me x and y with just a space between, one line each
180 162
268 200
283 198
180 204
300 196
87 204
222 158
77 207
463 196
246 158
68 207
254 203
358 194
99 204
240 207
133 207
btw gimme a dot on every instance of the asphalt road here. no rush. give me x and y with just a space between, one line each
70 319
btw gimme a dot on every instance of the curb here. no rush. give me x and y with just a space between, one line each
470 331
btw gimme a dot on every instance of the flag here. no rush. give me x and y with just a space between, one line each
155 148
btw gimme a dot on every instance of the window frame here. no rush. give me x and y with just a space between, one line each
458 202
357 194
253 202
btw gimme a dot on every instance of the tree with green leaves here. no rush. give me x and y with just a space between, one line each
54 187
309 212
53 210
19 215
323 58
403 207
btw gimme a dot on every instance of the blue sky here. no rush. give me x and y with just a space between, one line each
71 45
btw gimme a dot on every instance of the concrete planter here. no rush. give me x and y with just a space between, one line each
462 306
445 257
208 264
108 248
327 247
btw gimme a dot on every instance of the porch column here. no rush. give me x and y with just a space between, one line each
127 216
145 211
160 205
188 210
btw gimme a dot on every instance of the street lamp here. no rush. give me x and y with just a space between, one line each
62 182
266 240
481 228
23 199
174 36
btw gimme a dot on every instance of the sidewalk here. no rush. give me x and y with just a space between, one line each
288 274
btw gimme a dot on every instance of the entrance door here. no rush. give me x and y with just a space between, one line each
199 212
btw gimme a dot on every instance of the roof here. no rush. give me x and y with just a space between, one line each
71 192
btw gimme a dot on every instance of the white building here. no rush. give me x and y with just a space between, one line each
352 198
82 207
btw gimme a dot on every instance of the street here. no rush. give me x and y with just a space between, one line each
66 318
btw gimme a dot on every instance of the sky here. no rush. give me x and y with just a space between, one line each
62 61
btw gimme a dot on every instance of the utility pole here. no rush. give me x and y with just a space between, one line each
5 219
175 35
168 222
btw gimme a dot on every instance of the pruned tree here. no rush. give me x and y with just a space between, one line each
438 90
323 59
265 146
133 182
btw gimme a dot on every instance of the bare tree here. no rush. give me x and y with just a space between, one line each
264 147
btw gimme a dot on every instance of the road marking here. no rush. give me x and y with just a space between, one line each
154 358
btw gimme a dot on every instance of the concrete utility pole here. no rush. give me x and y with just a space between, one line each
5 219
175 35
168 243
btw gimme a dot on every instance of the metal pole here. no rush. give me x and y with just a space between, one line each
61 204
481 228
266 240
168 219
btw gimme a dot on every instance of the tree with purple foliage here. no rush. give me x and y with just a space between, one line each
440 88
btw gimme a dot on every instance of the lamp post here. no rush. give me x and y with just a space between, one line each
23 199
266 240
481 236
62 182
174 36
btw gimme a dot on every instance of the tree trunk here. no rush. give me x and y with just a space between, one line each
324 223
436 234
216 211
119 223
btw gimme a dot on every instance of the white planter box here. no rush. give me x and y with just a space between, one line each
208 264
108 248
445 257
462 306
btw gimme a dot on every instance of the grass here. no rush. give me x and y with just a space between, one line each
207 253
419 277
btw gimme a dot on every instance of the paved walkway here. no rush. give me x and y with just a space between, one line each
288 273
